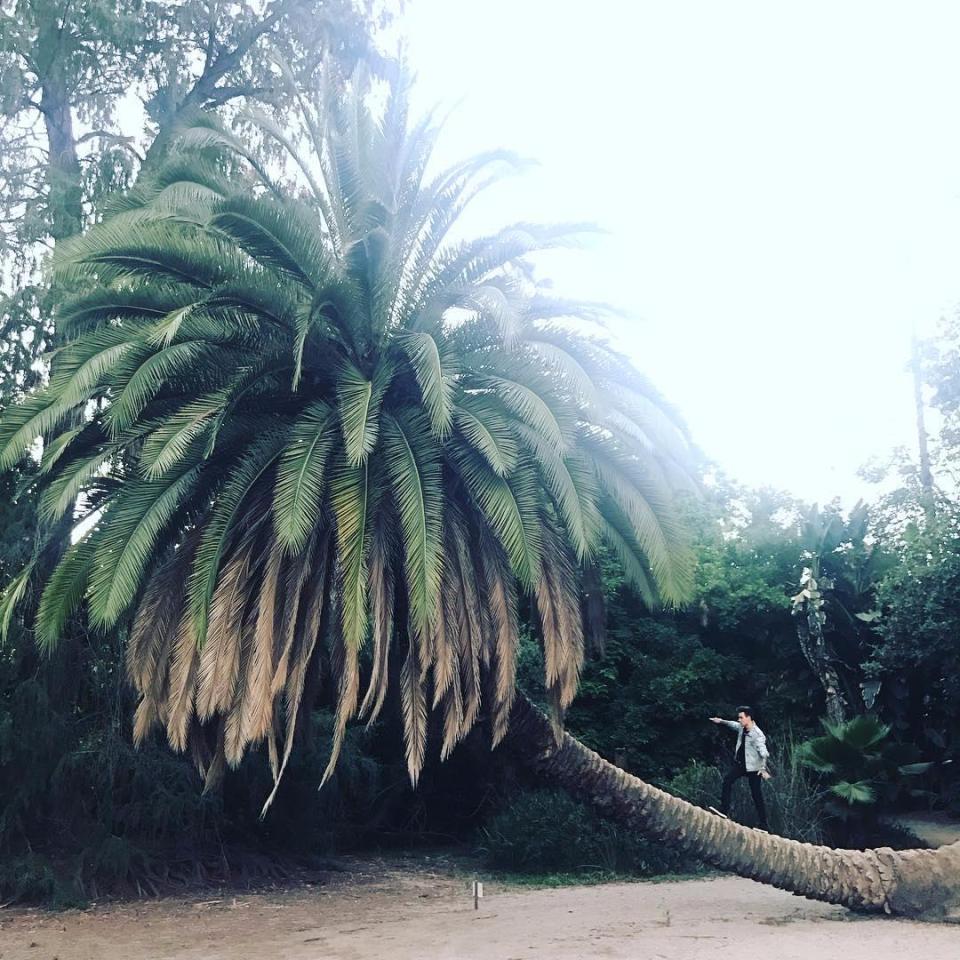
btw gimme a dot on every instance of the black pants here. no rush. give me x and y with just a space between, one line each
754 780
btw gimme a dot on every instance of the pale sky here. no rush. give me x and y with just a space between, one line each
781 187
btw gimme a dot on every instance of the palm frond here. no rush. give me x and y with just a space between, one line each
382 599
13 595
414 467
358 400
125 545
434 375
301 474
149 378
286 236
261 455
413 698
509 507
351 500
485 426
63 593
219 666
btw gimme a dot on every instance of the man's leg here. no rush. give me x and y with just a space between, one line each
756 792
728 781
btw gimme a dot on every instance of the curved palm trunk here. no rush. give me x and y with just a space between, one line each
914 883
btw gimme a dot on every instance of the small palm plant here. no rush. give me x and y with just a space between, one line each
864 769
311 421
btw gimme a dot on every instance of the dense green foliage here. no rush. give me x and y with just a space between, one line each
916 651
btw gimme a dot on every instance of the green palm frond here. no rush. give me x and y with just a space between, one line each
56 448
182 181
125 546
63 593
484 424
358 400
12 596
575 491
298 494
149 378
633 487
169 441
259 457
98 306
619 537
528 406
167 249
434 374
350 498
285 237
74 475
861 792
415 473
509 507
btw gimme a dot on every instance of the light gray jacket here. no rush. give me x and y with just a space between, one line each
755 753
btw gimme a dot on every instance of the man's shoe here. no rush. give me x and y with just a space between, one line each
718 812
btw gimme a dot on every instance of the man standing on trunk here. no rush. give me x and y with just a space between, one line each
751 762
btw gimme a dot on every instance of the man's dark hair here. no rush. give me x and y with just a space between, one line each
747 710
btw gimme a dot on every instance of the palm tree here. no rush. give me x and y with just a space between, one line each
313 420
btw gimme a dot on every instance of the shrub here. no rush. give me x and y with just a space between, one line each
31 878
542 831
865 774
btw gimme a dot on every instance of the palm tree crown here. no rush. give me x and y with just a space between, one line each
313 421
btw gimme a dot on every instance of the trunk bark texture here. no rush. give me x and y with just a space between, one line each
820 657
926 475
63 170
914 883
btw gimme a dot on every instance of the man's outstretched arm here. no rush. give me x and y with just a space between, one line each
732 724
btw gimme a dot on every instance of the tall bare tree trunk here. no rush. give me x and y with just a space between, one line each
926 474
914 883
808 609
814 647
65 197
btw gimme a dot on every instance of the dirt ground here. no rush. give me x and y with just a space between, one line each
379 909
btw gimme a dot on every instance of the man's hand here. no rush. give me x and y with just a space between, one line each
716 720
765 775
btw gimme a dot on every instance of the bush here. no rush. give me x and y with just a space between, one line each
541 832
864 774
32 878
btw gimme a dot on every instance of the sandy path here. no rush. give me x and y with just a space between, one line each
936 829
382 911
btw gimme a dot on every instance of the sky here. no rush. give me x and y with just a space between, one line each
780 188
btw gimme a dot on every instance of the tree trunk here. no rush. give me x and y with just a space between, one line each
814 647
913 883
926 475
65 196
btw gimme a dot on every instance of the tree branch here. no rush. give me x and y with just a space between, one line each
115 138
221 95
223 64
